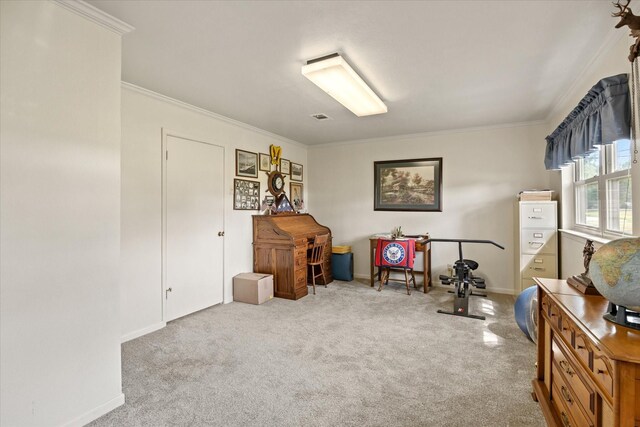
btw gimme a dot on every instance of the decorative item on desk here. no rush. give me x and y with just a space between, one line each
267 205
582 282
283 205
397 232
615 272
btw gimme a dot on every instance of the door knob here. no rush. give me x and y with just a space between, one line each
220 233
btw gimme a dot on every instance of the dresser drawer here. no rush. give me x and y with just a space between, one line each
537 241
567 369
299 261
539 266
534 215
545 303
562 391
300 275
568 409
604 370
300 251
566 328
554 315
583 348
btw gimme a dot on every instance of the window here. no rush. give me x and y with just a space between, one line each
602 187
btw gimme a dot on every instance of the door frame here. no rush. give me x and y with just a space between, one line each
165 134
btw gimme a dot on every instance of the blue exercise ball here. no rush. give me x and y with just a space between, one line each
526 312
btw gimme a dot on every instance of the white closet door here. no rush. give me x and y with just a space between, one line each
194 219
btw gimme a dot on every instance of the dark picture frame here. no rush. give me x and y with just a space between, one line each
265 162
246 195
296 172
408 185
285 167
296 195
246 163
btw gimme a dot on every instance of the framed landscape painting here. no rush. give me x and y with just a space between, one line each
408 185
296 172
246 164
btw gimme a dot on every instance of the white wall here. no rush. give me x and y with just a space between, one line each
611 60
483 170
144 115
60 216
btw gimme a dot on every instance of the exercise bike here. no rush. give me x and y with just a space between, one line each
463 279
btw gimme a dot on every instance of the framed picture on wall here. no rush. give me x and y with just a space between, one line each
246 195
285 167
246 164
296 195
265 162
296 172
408 185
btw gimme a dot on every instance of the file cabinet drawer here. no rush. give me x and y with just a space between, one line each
534 215
538 266
538 241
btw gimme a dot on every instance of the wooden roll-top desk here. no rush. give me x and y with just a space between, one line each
280 244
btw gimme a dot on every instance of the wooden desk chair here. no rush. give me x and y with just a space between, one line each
396 255
316 259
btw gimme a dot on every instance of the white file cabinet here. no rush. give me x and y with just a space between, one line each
537 242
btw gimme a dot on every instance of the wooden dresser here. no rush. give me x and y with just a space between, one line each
588 369
280 244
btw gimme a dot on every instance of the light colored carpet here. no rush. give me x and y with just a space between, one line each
348 356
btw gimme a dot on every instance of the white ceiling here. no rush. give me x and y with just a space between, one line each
437 65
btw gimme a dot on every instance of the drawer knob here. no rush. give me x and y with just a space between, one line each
565 420
565 394
564 365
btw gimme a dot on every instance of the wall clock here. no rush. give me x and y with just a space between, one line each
276 183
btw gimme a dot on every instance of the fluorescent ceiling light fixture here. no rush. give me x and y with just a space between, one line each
333 75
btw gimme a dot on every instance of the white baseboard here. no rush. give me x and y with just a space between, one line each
97 412
140 332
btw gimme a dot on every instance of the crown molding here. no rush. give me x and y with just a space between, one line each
96 15
181 104
409 136
611 39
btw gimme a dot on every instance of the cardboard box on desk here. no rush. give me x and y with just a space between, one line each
253 288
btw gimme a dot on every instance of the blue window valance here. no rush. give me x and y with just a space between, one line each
602 117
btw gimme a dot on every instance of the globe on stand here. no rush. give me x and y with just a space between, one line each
615 272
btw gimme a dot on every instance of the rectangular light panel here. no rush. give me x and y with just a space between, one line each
334 76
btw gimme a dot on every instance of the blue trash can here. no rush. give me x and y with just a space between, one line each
342 266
